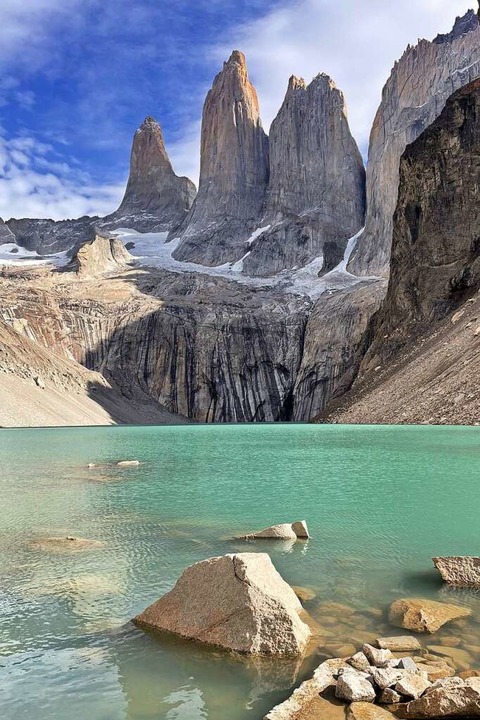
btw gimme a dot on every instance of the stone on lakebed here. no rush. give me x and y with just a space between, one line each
424 616
236 602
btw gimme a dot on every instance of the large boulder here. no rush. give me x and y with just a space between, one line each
424 616
460 571
237 602
451 697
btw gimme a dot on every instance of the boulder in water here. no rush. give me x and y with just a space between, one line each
245 606
286 531
460 571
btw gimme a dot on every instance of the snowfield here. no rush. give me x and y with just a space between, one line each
153 250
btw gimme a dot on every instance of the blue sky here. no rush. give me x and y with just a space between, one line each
78 76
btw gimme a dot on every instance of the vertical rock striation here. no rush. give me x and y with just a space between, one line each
413 97
155 198
316 193
233 172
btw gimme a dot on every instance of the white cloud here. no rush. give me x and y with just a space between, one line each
27 27
356 43
35 183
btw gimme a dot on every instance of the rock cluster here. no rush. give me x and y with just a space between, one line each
236 602
418 687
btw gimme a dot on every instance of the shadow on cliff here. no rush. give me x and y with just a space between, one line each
134 409
208 349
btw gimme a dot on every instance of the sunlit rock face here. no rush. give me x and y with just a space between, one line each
233 172
155 198
316 193
413 97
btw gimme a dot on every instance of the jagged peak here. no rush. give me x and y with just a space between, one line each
323 79
295 83
236 58
463 25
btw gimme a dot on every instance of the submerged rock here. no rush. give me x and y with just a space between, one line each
402 643
422 616
460 571
367 711
66 544
245 606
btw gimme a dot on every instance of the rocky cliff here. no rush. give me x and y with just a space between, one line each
156 199
6 235
413 97
47 237
316 193
424 341
233 171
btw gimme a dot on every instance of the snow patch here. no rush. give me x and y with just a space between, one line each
12 254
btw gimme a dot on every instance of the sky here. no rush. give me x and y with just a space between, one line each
77 77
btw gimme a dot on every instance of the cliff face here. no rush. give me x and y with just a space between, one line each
49 236
155 198
233 171
413 97
425 337
6 235
316 193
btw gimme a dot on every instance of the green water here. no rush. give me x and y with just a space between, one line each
379 501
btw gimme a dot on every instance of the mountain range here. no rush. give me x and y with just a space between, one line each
293 285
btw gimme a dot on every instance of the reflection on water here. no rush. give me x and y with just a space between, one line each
379 502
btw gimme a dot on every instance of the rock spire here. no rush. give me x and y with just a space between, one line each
233 173
316 194
155 198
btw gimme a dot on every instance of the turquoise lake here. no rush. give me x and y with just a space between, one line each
379 502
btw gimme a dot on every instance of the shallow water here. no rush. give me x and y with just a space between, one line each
379 501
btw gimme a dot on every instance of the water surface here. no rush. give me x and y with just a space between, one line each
379 501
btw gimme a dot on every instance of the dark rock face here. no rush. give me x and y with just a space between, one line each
233 173
316 193
6 235
463 25
156 198
413 97
435 263
50 236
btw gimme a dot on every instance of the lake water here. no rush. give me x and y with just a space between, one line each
379 502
